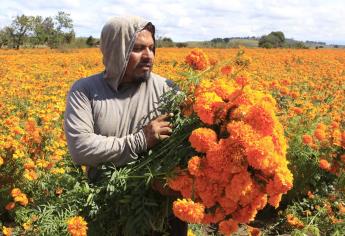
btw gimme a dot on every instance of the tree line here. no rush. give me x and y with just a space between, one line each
36 31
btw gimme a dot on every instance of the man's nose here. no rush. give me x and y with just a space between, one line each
147 53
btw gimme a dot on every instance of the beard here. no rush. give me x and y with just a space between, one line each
143 77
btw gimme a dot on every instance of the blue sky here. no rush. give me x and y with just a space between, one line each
186 20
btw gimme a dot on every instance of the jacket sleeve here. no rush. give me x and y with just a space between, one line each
88 148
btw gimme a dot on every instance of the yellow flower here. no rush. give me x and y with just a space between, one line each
21 199
1 161
7 231
56 171
77 226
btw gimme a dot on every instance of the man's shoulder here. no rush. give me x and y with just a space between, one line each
88 83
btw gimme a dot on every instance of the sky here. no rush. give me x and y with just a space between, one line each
197 20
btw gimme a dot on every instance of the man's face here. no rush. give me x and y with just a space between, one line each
140 59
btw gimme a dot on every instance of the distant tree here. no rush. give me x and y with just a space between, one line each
19 30
164 42
4 37
181 45
63 30
226 40
273 40
217 40
91 41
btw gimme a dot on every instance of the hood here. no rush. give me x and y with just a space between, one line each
117 41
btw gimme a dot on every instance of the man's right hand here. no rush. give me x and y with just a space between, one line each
157 130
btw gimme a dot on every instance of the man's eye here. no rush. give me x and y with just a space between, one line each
137 49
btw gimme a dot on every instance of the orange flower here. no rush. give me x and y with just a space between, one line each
242 81
294 221
21 199
188 211
253 231
261 120
10 206
202 139
15 192
1 161
310 195
197 59
307 139
226 70
227 227
7 231
324 164
207 105
77 226
194 166
297 110
320 134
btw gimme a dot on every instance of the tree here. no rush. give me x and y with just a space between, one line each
90 41
63 30
19 30
273 40
4 37
164 42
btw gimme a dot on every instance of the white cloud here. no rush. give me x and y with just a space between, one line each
199 20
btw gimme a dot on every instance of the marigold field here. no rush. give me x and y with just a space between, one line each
308 86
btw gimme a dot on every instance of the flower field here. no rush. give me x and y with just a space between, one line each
293 105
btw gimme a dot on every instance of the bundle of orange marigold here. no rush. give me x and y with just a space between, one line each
197 59
240 164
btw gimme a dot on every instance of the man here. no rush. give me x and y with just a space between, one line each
113 116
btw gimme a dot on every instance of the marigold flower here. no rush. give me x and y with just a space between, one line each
29 164
242 81
307 139
224 88
310 195
202 139
297 110
324 164
9 206
7 231
1 161
341 208
227 227
188 211
30 174
194 166
197 59
320 134
274 200
207 105
21 199
252 231
77 226
261 120
15 192
226 70
294 221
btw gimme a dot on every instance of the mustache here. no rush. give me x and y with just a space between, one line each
149 64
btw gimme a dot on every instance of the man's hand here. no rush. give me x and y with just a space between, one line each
157 130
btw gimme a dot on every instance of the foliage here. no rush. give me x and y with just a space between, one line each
35 31
273 40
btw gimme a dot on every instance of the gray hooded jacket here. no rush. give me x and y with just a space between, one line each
103 123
